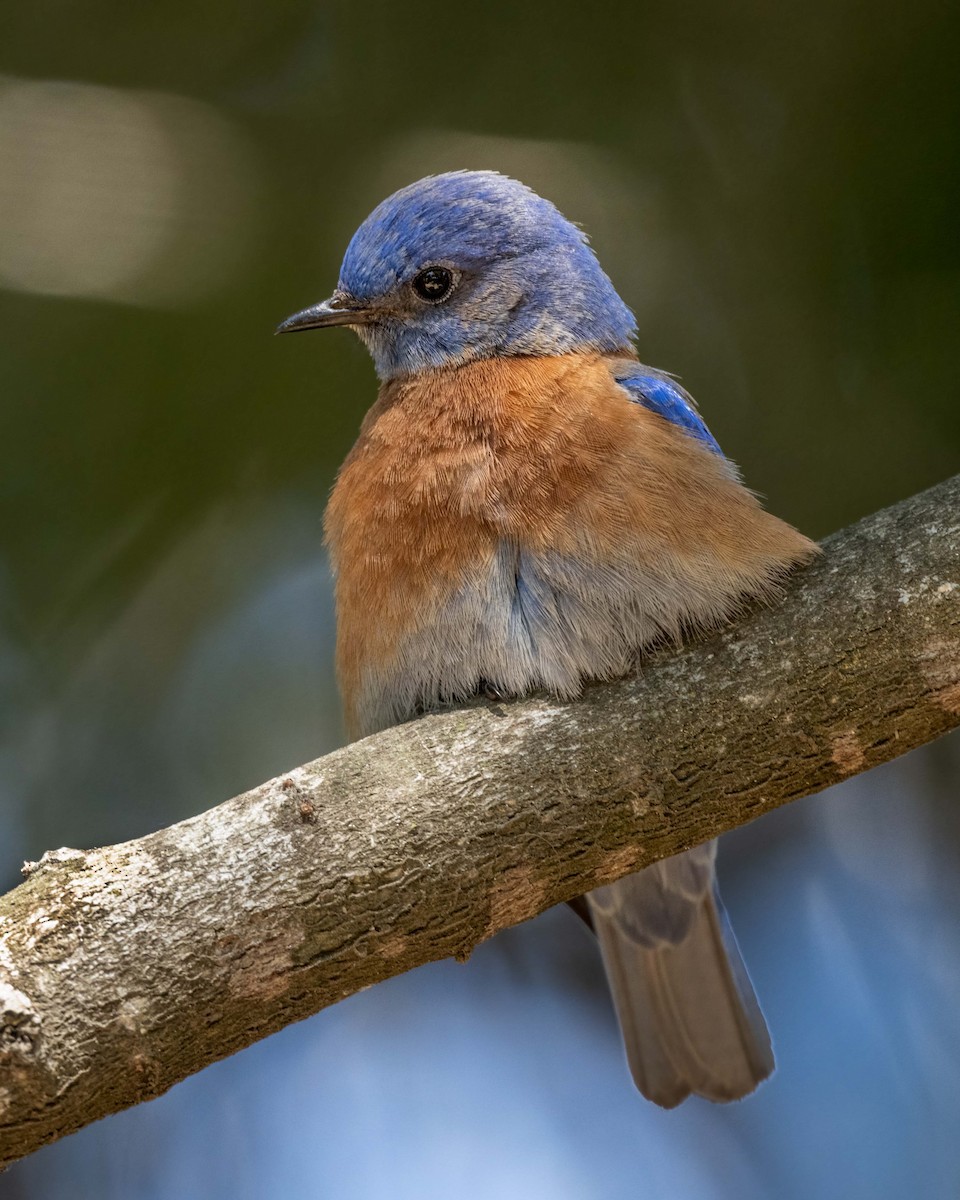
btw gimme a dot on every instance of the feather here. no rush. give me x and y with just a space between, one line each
690 1018
659 393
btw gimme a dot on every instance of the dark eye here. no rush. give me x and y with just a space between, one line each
433 284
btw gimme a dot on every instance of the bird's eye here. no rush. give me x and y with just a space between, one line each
433 284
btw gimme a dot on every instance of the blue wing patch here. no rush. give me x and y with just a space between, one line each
668 400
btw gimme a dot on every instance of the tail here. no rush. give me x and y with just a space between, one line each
690 1019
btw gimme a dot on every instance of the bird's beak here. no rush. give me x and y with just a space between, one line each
338 310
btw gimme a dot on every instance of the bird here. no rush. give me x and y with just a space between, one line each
529 508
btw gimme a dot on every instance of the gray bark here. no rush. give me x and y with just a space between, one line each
125 969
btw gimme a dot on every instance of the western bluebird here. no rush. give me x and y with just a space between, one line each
529 507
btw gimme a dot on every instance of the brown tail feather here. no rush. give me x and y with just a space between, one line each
690 1018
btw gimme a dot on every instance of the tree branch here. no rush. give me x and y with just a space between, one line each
125 969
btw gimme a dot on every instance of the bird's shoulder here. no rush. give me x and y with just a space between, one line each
660 393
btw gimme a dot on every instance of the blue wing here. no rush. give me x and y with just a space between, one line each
661 395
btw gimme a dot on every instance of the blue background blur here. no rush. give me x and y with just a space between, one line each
774 189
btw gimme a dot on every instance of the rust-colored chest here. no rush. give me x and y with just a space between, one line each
522 521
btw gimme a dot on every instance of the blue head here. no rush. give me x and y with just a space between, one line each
470 265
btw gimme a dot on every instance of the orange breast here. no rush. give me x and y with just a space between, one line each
548 460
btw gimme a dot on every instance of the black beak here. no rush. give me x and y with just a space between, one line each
338 310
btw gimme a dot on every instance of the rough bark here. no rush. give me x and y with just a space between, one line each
125 969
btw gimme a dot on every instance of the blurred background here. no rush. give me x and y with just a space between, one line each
774 189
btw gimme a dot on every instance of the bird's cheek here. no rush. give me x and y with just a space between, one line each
495 301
